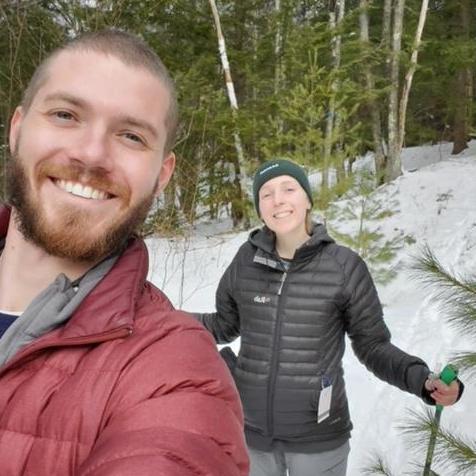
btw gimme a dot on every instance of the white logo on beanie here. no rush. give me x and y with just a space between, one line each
271 167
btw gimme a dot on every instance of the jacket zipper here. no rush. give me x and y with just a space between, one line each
283 278
275 356
122 331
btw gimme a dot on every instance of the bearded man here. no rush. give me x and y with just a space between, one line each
99 374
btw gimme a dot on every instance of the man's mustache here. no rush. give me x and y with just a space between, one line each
95 177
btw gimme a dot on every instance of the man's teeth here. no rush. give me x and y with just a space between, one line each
84 191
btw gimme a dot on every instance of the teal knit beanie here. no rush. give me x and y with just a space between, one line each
275 168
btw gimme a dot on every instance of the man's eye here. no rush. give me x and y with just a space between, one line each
63 115
134 138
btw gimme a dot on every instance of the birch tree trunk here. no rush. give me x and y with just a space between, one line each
278 65
337 117
386 23
409 76
254 146
393 162
277 47
377 136
239 165
331 113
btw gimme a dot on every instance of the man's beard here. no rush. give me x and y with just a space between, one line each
67 239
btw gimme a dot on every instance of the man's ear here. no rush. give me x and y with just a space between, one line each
166 171
15 124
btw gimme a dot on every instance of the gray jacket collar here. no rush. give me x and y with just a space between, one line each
264 240
51 308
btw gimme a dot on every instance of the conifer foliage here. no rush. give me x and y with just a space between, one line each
318 82
455 453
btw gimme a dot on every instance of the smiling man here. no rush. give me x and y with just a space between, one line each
99 374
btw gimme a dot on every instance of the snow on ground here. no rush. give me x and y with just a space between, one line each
436 199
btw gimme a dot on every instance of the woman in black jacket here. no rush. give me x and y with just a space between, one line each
292 294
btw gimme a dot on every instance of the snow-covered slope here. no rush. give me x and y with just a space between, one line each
436 205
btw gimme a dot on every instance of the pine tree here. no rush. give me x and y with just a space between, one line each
454 454
456 294
362 211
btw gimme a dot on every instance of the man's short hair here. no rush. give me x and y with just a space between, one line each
130 49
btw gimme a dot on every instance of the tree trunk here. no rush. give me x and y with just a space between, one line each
278 63
239 214
463 89
394 168
376 122
277 47
386 23
331 113
409 76
337 117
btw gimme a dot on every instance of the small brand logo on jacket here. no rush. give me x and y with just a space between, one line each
262 299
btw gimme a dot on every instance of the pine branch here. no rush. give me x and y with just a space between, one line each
377 467
465 361
418 427
457 453
452 451
462 315
457 294
431 272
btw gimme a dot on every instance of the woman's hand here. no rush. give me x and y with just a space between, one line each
440 392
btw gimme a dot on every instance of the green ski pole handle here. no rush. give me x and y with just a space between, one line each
447 375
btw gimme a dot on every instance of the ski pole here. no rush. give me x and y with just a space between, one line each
447 375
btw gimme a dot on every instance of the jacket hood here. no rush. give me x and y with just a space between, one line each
264 239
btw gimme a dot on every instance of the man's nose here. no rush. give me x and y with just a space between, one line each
93 148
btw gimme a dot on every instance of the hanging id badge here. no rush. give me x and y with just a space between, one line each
325 397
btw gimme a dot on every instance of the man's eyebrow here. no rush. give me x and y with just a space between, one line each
135 122
122 119
65 97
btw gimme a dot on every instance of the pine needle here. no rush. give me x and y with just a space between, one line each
377 467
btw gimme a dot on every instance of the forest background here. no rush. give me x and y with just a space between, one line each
320 82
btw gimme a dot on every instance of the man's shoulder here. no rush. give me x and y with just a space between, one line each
156 313
162 336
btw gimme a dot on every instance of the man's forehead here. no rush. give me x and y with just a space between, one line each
65 58
69 70
64 62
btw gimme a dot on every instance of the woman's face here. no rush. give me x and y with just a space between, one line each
283 205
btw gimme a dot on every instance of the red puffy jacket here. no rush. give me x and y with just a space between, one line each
128 386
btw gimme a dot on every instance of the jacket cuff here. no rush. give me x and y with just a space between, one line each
461 389
415 377
427 398
229 357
